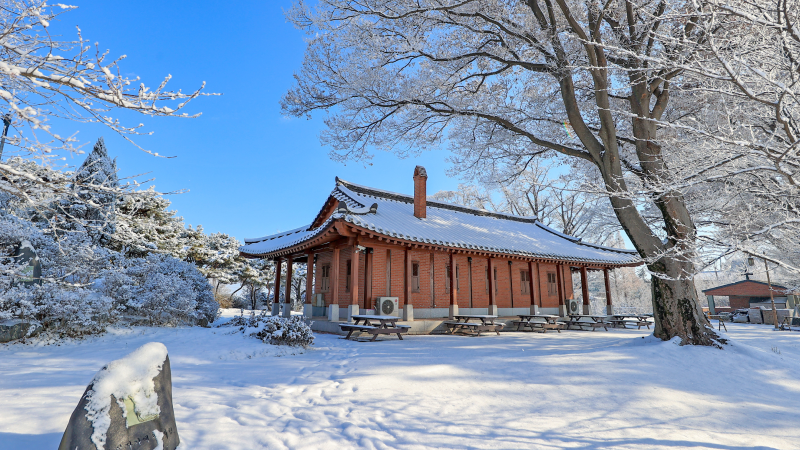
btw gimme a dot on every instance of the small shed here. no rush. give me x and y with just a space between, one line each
747 293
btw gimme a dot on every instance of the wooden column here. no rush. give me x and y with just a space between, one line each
531 277
407 287
539 284
309 277
368 257
609 307
431 279
511 281
354 263
288 295
334 282
492 299
453 285
559 281
276 296
585 289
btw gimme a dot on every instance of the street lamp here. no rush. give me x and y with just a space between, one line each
751 262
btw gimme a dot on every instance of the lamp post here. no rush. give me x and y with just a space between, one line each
751 262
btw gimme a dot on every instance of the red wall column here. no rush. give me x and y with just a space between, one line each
585 289
560 282
492 299
334 282
276 296
531 277
309 277
609 307
355 262
407 287
368 257
453 286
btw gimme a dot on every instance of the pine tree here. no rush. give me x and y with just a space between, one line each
92 205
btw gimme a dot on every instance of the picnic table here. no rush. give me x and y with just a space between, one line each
374 325
548 322
631 319
483 322
594 322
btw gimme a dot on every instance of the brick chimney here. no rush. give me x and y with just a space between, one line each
420 192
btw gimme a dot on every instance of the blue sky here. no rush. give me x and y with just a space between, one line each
249 170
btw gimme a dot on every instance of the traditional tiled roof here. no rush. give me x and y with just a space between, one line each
446 225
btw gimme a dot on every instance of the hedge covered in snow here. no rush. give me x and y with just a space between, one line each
276 330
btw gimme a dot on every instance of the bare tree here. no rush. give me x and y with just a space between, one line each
750 66
507 81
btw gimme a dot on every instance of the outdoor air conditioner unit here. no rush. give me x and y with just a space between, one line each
387 306
318 300
573 307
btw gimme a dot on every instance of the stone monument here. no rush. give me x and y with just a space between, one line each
32 272
127 406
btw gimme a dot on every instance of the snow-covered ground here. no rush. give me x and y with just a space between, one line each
589 390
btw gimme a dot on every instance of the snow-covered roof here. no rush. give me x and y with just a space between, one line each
391 214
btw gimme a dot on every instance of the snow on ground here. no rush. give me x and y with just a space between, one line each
588 390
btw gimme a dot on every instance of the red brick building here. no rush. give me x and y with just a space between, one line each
746 292
436 258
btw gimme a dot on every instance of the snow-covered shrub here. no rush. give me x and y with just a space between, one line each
275 330
293 331
165 290
62 310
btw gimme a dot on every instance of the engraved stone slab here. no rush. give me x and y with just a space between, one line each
32 272
124 424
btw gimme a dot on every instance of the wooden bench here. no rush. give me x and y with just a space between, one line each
535 326
617 322
454 326
399 330
593 325
638 323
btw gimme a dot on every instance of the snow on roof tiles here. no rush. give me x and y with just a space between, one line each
447 225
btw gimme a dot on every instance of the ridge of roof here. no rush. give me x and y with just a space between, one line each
365 190
744 281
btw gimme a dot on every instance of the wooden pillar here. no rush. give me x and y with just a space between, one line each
408 307
276 296
307 311
585 289
309 277
559 280
453 285
531 277
609 307
287 307
469 274
334 283
539 284
511 281
368 257
432 279
407 277
288 295
492 299
354 264
492 295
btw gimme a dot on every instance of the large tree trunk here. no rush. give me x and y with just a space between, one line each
676 309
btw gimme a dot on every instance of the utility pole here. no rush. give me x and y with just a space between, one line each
750 262
772 297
